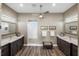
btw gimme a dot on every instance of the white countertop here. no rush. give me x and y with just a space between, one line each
74 41
10 40
69 39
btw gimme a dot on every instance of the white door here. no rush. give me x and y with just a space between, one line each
32 30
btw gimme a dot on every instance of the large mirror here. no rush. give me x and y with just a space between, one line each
7 28
71 28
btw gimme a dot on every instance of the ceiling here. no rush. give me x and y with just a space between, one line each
35 7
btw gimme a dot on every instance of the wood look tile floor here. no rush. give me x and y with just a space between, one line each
39 51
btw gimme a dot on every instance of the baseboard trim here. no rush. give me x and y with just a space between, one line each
37 45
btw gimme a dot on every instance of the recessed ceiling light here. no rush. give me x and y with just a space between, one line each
21 4
54 4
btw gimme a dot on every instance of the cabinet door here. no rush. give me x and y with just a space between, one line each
5 50
59 43
19 44
66 48
63 46
14 48
22 41
74 50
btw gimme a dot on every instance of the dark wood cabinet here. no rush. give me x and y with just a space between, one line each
5 50
16 46
59 43
74 50
67 48
63 46
13 48
20 43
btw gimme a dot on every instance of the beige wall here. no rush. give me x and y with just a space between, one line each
72 11
8 11
49 20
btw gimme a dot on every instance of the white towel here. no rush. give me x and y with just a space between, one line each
74 32
44 33
52 33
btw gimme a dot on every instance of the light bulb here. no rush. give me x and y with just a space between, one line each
41 16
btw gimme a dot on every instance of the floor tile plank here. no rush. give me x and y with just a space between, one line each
39 51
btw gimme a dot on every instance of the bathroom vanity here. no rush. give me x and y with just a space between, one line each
69 46
10 46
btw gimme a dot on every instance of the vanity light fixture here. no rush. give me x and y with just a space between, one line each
53 4
21 4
